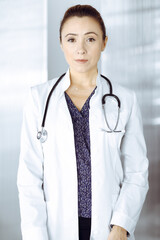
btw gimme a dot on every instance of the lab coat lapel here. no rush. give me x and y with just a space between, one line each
60 152
58 121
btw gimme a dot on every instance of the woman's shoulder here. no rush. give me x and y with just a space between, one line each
41 90
44 86
126 95
119 89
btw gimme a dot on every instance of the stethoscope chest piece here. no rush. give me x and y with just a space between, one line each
42 135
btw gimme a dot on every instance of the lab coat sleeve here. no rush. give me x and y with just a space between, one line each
135 168
30 177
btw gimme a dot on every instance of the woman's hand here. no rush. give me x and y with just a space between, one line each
117 233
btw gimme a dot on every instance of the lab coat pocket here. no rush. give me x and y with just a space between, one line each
115 138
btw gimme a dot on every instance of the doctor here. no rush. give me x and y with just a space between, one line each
84 182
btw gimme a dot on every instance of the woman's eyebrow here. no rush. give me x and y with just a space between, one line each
74 34
91 33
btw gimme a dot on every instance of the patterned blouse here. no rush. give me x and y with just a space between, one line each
80 120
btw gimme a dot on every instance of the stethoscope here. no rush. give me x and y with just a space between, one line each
42 135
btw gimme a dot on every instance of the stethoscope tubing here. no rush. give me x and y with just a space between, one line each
48 99
43 132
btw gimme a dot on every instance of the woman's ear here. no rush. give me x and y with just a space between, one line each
61 45
104 43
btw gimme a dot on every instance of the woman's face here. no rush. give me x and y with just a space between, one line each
82 43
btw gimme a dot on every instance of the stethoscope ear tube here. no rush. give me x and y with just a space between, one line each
110 129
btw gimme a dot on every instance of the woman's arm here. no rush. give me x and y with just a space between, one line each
118 233
30 177
135 167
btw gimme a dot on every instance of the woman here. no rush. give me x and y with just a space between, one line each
85 181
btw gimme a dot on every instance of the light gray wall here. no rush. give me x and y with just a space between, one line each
132 59
23 63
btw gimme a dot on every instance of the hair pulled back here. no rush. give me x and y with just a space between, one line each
83 11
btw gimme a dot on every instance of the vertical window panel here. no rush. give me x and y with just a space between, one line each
23 62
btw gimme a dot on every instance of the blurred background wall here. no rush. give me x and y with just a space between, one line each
132 58
23 62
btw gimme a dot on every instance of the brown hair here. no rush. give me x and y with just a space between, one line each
83 11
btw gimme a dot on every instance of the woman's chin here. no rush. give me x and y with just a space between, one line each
82 69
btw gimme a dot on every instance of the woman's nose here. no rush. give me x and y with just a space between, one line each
81 48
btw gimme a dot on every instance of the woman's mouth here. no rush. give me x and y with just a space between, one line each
81 60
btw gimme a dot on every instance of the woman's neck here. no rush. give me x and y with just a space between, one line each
83 80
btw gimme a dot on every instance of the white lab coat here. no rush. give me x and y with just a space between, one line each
47 174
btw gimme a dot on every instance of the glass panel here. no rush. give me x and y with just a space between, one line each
22 64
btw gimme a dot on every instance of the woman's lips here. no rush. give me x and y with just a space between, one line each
81 60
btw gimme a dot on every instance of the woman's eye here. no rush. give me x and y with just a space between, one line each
90 40
71 40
